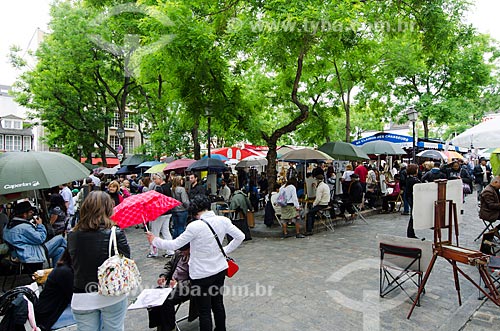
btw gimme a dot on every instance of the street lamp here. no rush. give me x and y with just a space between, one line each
120 133
80 150
412 116
208 113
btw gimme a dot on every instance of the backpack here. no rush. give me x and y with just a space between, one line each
281 200
14 308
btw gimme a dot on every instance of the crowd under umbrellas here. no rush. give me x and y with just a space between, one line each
146 207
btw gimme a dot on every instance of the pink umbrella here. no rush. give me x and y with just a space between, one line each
179 164
141 208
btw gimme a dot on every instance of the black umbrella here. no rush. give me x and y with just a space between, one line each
432 154
125 170
207 164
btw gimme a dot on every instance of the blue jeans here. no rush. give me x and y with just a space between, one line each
406 205
110 318
55 248
180 219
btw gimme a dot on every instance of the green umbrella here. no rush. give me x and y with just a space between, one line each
340 150
135 160
25 171
90 166
378 147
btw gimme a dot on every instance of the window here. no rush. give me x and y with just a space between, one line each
1 142
114 142
13 143
127 122
12 124
129 144
26 143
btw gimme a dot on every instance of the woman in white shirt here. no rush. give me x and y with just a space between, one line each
207 264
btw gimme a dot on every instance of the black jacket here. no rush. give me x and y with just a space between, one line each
478 174
88 250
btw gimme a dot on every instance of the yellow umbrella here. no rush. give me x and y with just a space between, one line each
156 168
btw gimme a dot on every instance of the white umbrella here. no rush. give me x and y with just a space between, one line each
483 135
110 171
252 161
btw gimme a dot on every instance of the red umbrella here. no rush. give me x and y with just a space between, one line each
179 164
141 208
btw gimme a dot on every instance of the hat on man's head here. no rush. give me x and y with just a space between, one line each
482 159
22 207
354 176
320 177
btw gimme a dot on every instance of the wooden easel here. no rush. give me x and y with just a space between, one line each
454 253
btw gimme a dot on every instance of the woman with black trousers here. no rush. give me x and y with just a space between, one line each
207 265
411 180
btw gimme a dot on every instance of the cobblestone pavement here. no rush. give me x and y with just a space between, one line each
330 281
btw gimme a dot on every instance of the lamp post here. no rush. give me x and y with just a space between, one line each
412 116
208 113
120 133
80 150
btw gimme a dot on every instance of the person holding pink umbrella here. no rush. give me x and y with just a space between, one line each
207 264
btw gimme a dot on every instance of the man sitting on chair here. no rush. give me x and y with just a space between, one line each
27 235
391 198
321 202
354 195
490 202
176 275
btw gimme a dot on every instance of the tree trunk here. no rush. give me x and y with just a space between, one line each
272 140
425 122
196 143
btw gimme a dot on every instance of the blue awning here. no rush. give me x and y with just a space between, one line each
391 137
406 142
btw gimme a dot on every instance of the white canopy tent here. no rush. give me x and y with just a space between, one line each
483 135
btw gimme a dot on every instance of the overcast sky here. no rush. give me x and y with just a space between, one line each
19 20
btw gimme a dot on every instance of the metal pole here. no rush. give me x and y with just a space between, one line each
208 146
414 144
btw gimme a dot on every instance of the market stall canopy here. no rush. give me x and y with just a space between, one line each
340 150
483 135
25 171
378 147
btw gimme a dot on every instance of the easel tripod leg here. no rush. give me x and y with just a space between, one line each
422 285
457 284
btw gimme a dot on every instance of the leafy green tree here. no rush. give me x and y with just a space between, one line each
436 63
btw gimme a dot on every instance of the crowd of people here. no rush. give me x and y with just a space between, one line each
364 185
73 234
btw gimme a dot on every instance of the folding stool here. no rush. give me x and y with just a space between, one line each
397 266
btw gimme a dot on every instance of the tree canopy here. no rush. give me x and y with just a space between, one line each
269 72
